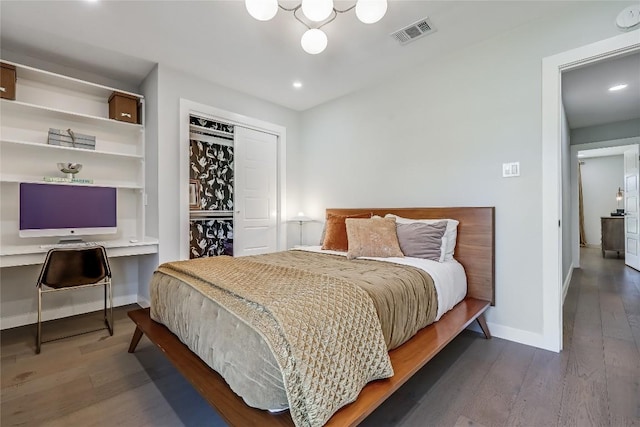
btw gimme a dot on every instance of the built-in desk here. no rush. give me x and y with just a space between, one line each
17 255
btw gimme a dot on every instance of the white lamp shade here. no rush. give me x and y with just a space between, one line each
262 10
301 218
317 10
314 41
371 11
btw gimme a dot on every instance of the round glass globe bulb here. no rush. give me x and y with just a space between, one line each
314 41
262 10
371 11
317 10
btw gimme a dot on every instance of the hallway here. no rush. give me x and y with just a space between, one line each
602 340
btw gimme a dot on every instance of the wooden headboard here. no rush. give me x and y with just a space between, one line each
475 245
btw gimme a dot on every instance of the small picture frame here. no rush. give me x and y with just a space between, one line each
194 194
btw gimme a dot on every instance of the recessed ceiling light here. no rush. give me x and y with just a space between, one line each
617 87
297 84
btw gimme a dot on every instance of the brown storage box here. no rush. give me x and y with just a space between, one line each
123 107
7 81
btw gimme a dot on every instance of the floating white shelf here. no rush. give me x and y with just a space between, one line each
57 80
38 145
33 109
96 183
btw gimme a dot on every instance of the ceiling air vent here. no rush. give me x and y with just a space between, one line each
414 31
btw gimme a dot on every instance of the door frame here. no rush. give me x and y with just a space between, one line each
552 69
613 144
188 107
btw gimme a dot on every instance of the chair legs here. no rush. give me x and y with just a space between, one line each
39 329
108 315
108 321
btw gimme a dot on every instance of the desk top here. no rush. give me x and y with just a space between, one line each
17 255
612 217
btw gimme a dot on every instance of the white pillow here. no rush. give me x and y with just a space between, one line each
448 240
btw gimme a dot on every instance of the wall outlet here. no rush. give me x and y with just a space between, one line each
510 170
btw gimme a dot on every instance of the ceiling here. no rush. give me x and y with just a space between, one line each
586 96
218 41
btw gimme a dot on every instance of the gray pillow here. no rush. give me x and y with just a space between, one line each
419 240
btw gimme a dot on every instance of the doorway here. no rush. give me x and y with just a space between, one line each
600 164
552 171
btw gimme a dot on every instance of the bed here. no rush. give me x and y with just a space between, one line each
474 250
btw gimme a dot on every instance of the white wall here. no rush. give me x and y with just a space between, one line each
438 137
149 88
19 302
174 85
567 255
601 177
606 132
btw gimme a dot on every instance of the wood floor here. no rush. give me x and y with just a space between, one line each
91 380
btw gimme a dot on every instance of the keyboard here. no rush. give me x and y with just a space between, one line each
72 245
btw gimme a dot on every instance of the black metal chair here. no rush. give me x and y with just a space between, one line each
74 268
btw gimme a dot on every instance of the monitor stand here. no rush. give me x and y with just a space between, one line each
70 240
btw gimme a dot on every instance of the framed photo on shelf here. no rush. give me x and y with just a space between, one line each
194 194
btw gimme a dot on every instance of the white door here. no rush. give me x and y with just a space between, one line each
255 218
631 226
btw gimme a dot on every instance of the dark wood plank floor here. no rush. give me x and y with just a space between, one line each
91 380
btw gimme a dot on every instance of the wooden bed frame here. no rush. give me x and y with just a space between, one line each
475 250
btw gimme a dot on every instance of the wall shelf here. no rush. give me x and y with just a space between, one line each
47 100
38 145
60 81
41 111
95 183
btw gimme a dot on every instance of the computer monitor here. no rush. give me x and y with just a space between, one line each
48 210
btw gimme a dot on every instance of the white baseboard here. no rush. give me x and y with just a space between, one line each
567 281
512 334
143 302
60 312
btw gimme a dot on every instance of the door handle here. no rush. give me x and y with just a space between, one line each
125 115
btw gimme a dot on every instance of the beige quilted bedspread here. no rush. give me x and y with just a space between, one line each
404 297
323 330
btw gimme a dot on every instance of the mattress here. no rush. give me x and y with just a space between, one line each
241 355
448 277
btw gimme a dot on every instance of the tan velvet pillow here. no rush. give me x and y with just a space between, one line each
375 237
335 232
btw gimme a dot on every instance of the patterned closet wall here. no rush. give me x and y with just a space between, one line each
211 179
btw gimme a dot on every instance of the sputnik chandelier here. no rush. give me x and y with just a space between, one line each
317 14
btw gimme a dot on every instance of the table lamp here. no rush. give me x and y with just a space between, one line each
301 219
619 197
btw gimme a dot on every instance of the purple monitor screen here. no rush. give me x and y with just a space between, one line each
51 206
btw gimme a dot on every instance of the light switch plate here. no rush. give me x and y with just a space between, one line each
510 170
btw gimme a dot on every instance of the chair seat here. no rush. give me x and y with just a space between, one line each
74 267
68 268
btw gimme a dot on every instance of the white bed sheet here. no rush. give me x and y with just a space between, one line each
449 277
